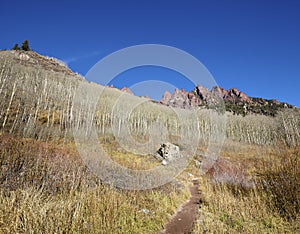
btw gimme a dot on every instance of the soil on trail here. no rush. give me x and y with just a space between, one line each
183 221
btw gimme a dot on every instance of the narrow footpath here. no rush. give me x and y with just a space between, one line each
183 221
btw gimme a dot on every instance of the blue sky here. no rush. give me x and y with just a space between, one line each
251 45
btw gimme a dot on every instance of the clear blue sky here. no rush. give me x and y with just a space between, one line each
251 45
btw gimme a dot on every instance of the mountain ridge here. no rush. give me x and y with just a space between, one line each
235 101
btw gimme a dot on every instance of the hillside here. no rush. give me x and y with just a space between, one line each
38 100
52 181
235 101
33 59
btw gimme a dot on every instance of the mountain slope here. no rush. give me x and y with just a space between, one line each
45 186
38 101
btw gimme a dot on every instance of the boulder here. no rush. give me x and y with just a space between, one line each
24 57
167 152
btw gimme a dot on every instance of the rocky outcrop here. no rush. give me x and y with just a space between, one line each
181 99
166 98
216 90
233 99
126 90
200 96
24 57
202 92
167 152
33 59
234 95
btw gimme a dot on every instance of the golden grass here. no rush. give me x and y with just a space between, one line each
227 211
98 210
128 159
46 189
271 206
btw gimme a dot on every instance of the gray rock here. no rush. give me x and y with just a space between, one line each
167 152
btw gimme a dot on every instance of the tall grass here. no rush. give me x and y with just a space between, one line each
279 178
271 205
45 188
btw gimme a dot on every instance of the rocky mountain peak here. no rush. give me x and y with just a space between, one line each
126 90
180 98
235 100
202 92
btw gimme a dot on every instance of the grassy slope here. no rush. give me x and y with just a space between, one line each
46 188
271 206
39 159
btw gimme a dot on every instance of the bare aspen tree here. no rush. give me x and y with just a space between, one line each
15 120
9 105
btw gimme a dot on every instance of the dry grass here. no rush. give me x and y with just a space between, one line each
279 178
128 159
45 189
270 206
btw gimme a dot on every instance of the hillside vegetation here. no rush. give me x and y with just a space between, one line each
46 188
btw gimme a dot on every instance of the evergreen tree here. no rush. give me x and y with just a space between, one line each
25 46
16 47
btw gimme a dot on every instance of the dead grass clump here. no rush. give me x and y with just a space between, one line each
232 174
26 163
279 178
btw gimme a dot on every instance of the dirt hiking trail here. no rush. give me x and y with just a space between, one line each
183 220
